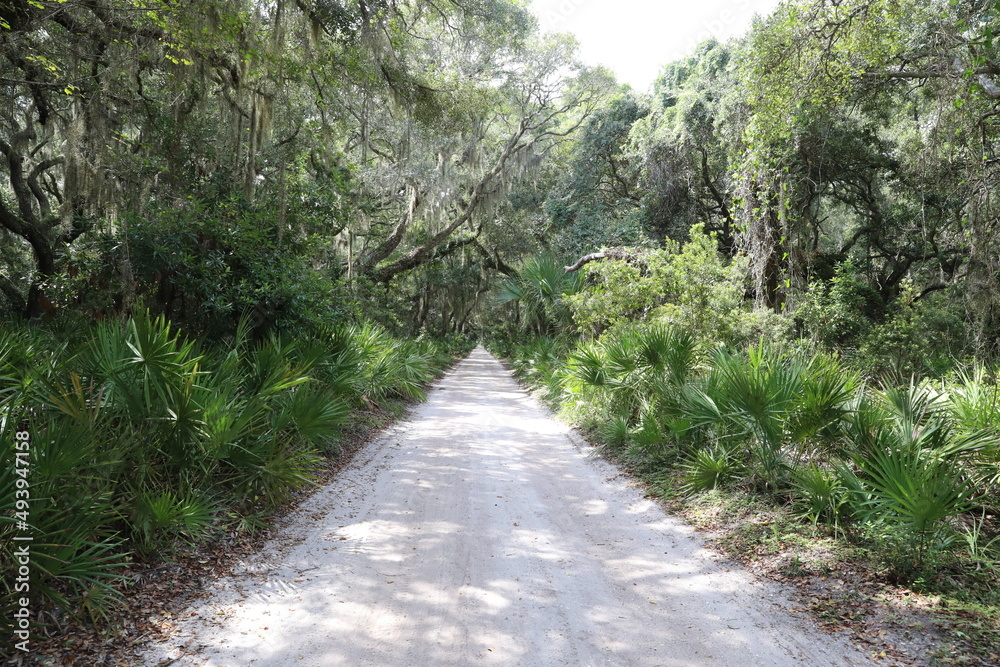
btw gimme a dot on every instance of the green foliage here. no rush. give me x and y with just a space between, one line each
627 369
159 518
865 34
819 495
837 315
757 398
917 338
915 493
913 465
539 361
74 549
540 289
389 367
207 264
974 400
894 469
617 432
710 468
826 399
593 204
688 287
615 292
973 405
649 441
315 414
143 441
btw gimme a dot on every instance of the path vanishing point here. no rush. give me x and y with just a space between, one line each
478 533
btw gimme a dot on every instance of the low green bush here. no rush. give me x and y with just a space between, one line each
901 466
144 442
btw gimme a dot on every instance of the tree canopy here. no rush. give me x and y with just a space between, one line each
296 157
365 138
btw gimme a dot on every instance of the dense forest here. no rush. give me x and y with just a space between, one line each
226 227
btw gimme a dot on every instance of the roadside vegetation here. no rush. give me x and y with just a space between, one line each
231 232
769 286
144 443
723 408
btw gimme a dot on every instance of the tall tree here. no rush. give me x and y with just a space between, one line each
406 121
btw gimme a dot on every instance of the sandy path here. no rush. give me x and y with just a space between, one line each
476 533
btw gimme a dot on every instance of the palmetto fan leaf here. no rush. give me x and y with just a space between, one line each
974 401
145 368
270 370
617 432
160 517
826 399
669 351
710 467
512 290
912 406
698 405
586 365
540 285
16 352
73 547
819 493
759 391
914 490
315 413
621 357
276 468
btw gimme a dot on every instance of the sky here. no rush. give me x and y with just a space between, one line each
636 38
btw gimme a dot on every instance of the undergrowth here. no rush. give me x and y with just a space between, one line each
799 466
141 444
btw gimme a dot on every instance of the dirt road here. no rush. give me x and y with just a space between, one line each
477 533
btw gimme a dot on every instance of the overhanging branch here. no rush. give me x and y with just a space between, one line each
613 253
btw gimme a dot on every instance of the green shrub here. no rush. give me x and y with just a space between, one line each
688 288
711 468
205 264
160 518
144 441
649 442
917 338
616 433
837 315
818 494
913 465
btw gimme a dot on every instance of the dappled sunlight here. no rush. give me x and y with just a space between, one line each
594 507
478 534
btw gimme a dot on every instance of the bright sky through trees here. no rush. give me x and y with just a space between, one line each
636 38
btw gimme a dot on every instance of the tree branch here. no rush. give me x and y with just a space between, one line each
613 253
421 253
586 259
14 296
494 262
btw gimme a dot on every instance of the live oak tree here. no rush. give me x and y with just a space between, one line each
859 130
101 98
874 135
450 170
396 128
598 199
